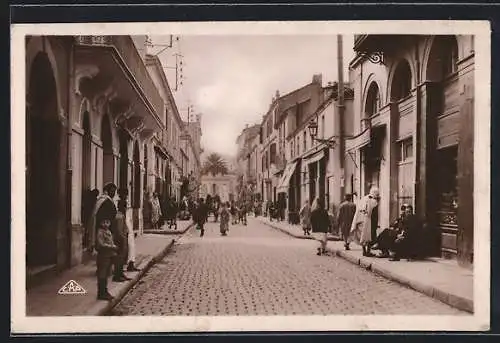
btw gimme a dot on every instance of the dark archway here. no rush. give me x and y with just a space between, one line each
43 170
123 138
442 144
108 163
401 83
372 100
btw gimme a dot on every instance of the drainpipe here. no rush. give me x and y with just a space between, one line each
340 103
418 138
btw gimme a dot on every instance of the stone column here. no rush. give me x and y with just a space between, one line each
465 165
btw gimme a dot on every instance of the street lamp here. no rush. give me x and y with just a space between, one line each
313 131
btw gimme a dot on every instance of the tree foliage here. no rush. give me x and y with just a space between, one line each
214 164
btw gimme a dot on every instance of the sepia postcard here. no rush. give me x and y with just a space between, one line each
250 176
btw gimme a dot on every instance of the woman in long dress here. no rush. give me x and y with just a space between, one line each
155 211
224 218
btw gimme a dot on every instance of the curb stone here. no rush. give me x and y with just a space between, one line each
295 235
169 232
452 300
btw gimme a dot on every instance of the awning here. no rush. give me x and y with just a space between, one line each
314 157
285 179
359 141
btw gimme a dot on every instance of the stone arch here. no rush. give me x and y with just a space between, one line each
372 82
440 51
35 46
401 80
373 78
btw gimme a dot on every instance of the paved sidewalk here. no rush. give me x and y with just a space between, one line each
182 227
44 300
436 277
292 230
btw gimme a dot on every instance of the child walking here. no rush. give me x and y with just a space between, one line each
224 219
106 252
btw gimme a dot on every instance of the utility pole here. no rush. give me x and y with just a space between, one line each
340 104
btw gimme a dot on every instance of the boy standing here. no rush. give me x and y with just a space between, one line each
106 252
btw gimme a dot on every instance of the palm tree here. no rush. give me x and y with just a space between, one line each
215 164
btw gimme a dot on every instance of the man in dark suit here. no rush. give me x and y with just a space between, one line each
347 209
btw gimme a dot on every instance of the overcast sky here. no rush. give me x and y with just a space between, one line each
231 80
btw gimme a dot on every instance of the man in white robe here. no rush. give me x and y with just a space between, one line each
365 221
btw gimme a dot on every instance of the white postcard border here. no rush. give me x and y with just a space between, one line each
478 321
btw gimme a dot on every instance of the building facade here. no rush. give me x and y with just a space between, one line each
98 110
246 160
271 153
291 118
413 133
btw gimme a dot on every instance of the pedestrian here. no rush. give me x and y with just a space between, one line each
103 206
305 218
120 237
172 213
106 252
155 211
201 216
347 209
224 219
365 221
320 224
234 212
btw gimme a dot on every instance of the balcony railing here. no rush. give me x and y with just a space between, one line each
128 52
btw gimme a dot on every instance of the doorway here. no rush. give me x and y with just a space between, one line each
43 170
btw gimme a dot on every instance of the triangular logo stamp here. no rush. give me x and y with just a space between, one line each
72 287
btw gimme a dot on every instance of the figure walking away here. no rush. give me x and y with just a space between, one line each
305 218
320 224
201 216
224 219
347 209
365 221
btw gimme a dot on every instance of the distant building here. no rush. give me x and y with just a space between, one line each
222 185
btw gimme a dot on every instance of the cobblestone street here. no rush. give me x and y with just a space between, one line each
257 270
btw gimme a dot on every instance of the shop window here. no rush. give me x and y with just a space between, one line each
448 191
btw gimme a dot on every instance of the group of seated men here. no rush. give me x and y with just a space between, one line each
402 238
